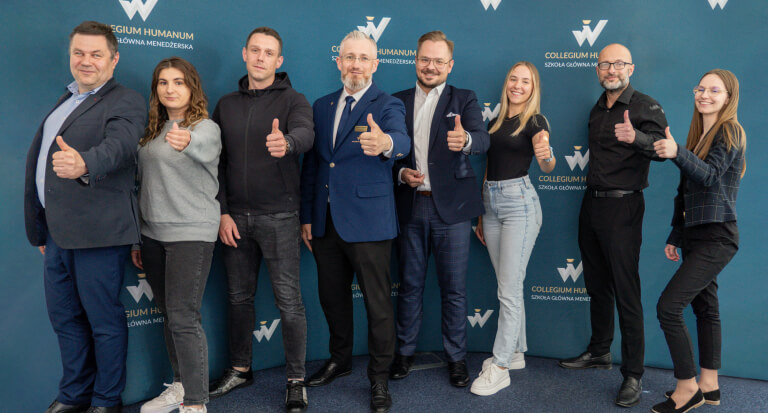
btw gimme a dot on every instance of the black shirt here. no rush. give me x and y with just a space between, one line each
619 165
510 156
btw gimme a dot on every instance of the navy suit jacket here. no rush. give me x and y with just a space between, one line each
105 129
358 187
455 190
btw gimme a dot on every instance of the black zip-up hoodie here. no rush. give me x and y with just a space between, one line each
251 181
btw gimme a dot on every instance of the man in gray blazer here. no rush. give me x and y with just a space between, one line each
80 211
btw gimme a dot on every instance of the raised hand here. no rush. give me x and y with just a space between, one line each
666 148
625 132
375 141
541 145
67 163
457 137
276 141
178 138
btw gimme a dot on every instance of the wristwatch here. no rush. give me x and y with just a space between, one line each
551 155
287 146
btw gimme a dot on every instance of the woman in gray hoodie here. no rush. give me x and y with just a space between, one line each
178 165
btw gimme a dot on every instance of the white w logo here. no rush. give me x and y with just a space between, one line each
570 271
489 114
132 6
142 289
721 3
374 31
265 332
495 3
577 159
478 319
586 32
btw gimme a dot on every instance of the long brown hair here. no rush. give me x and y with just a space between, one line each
532 106
732 132
198 102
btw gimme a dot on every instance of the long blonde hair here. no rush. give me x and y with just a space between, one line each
532 106
727 121
158 114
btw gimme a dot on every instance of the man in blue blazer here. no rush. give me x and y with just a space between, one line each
437 195
348 211
80 211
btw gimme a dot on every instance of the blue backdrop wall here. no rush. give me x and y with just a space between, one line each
673 44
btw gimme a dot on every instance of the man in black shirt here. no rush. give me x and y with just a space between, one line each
623 126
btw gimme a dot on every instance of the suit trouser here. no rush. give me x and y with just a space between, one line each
82 293
610 234
427 234
706 250
177 273
337 262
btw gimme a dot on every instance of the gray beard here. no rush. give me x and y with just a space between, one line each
353 85
618 85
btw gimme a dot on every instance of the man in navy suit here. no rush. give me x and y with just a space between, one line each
437 194
80 211
348 211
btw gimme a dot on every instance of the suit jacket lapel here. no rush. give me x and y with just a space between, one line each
360 109
332 117
442 103
89 102
410 98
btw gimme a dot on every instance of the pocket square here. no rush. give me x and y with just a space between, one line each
451 115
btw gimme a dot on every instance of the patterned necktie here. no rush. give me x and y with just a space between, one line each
344 119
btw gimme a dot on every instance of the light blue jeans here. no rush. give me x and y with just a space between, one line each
510 226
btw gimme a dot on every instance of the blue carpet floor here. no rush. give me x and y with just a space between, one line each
541 387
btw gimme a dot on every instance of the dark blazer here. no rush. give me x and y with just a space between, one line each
105 129
358 187
454 185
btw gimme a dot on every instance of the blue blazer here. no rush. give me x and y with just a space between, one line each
455 189
105 129
356 186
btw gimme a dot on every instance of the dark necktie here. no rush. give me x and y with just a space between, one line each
344 119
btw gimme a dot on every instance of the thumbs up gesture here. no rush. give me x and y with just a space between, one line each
457 137
625 132
67 163
666 148
541 145
375 141
178 138
276 143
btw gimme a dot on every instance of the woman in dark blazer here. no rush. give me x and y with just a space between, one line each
704 227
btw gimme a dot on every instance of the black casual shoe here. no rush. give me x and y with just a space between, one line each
668 406
232 379
381 401
295 397
59 407
457 371
710 397
629 393
103 409
400 367
330 371
586 360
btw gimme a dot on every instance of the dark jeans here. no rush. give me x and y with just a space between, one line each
337 262
82 292
610 234
706 250
177 273
275 238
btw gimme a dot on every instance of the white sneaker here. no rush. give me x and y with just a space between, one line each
492 379
168 401
185 409
517 363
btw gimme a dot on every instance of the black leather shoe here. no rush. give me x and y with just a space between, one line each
458 373
586 360
232 379
103 409
400 367
668 406
710 397
330 371
295 397
381 401
629 393
59 407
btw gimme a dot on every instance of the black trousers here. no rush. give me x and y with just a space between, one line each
337 262
706 250
610 234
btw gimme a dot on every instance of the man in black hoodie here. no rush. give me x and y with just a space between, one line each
265 125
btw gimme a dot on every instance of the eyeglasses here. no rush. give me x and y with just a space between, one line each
425 61
352 58
713 91
616 65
